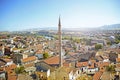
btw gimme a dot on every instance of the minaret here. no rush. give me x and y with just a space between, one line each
60 42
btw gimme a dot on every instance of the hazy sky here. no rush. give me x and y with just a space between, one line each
25 14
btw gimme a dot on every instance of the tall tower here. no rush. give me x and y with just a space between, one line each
60 42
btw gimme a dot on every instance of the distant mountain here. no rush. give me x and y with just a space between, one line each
105 27
110 27
41 28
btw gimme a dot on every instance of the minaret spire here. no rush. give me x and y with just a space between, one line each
59 24
60 42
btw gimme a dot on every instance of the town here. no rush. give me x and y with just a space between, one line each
60 55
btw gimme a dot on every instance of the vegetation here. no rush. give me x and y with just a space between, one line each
98 46
111 68
19 70
109 43
8 35
77 40
55 36
117 38
66 38
45 55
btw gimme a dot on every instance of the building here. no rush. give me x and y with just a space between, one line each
29 62
39 54
60 43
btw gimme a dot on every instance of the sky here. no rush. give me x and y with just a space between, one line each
27 14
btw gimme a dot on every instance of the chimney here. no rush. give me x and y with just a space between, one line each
60 43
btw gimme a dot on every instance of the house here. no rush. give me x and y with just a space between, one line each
82 66
30 70
11 71
43 69
8 61
7 51
43 75
114 53
15 50
112 56
28 54
39 54
112 38
17 58
29 62
52 61
89 67
106 59
92 67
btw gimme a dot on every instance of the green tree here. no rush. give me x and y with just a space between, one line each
45 55
98 46
19 70
109 43
117 41
8 35
117 38
77 40
111 69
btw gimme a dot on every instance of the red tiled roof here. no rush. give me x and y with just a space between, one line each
81 64
10 71
52 60
32 58
97 75
10 67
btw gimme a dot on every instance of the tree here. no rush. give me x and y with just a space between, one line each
111 69
8 36
117 41
19 70
98 46
109 43
77 40
117 38
45 55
